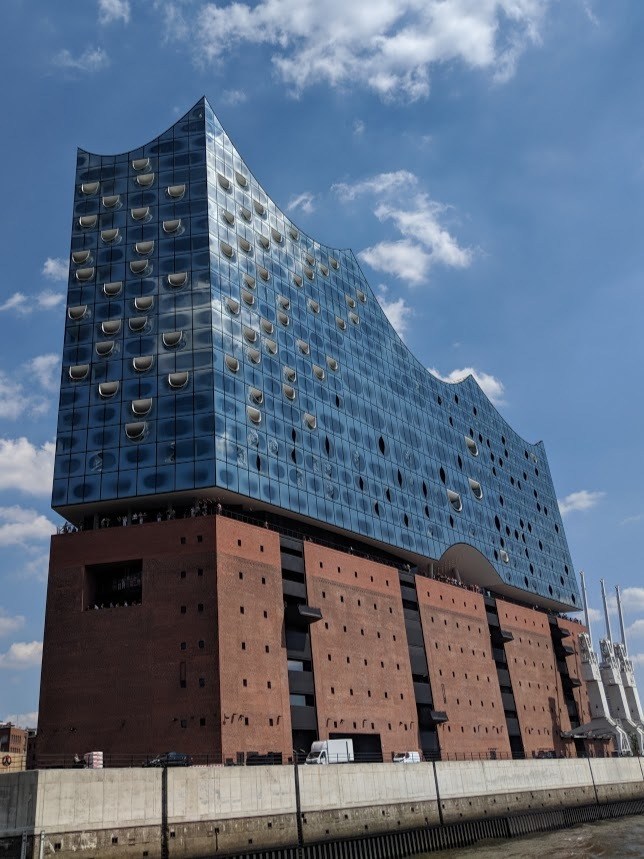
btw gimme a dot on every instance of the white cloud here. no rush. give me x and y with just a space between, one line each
46 369
113 10
380 184
22 654
25 304
397 311
637 658
595 615
25 466
304 201
10 623
358 127
91 60
55 268
636 629
15 401
633 520
36 568
492 387
23 720
582 500
387 46
632 599
403 259
20 526
234 96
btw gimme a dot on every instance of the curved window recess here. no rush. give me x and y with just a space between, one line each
309 273
135 430
259 207
144 302
262 272
172 338
277 236
137 323
254 414
232 363
77 313
293 233
144 248
256 395
249 280
138 266
310 420
267 327
288 391
283 318
227 250
310 259
244 244
111 327
104 348
228 216
142 363
108 389
354 318
140 214
324 270
142 407
112 201
455 500
146 180
361 295
176 191
84 274
180 278
283 301
475 486
304 347
86 222
319 372
342 325
113 289
233 306
140 163
242 181
504 556
178 380
334 263
248 297
313 306
246 214
79 257
254 355
471 445
90 187
78 372
263 241
172 226
290 374
225 183
250 335
271 347
332 364
350 301
108 236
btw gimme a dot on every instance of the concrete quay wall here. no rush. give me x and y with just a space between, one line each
210 811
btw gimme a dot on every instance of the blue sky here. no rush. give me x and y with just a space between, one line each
483 158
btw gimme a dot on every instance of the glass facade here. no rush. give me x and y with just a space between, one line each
210 345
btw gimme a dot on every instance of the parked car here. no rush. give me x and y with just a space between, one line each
407 758
170 759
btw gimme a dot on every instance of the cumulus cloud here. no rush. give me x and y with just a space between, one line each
23 720
20 526
55 268
492 387
113 10
380 184
234 96
36 568
16 402
21 655
397 311
387 46
595 615
25 304
637 658
582 500
26 467
403 259
46 370
91 60
304 201
10 623
633 520
358 127
636 629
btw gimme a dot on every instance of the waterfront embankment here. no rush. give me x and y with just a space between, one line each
355 810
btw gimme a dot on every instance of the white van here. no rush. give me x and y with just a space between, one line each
407 758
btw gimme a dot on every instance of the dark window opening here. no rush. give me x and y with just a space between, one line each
115 584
